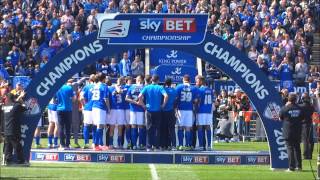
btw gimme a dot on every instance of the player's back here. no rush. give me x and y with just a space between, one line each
133 93
117 98
87 95
172 94
64 98
99 94
206 99
186 94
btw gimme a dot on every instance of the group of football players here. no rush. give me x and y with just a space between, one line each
107 106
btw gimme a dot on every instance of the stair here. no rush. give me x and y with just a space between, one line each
315 59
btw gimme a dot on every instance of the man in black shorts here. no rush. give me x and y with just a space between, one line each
13 110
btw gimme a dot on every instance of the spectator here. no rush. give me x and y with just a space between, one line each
103 67
68 20
76 34
55 42
89 30
114 70
137 66
301 71
273 68
34 48
92 18
15 55
62 33
253 53
125 65
20 69
262 65
286 74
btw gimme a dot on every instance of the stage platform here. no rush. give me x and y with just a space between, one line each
156 157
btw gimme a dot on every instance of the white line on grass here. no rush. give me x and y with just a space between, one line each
154 175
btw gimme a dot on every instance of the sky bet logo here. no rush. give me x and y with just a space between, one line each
169 25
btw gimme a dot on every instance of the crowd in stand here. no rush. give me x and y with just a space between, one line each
277 35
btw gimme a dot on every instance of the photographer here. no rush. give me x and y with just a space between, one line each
307 130
13 110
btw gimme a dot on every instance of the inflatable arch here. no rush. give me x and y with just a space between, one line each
211 49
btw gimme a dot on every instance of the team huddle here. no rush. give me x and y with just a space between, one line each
145 113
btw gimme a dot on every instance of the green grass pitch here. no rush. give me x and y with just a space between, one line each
92 171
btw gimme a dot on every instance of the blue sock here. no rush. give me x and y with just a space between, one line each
187 136
55 141
50 139
128 135
134 134
180 137
86 134
99 137
94 134
200 137
110 140
209 137
119 141
37 139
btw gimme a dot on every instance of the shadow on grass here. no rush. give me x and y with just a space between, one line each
50 167
27 177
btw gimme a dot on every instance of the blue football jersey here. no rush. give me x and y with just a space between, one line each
64 98
125 89
53 104
116 99
153 95
186 94
206 99
133 93
100 93
87 95
172 94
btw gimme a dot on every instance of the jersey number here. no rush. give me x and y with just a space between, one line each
119 98
95 94
186 96
207 99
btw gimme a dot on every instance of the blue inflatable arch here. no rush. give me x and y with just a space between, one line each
213 50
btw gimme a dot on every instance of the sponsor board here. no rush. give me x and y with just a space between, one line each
258 159
46 156
77 157
153 29
113 158
191 159
227 160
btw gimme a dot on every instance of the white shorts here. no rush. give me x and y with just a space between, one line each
185 118
99 116
204 119
39 123
116 117
137 118
87 117
127 115
52 116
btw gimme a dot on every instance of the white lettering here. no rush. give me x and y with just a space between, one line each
237 66
66 65
97 46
